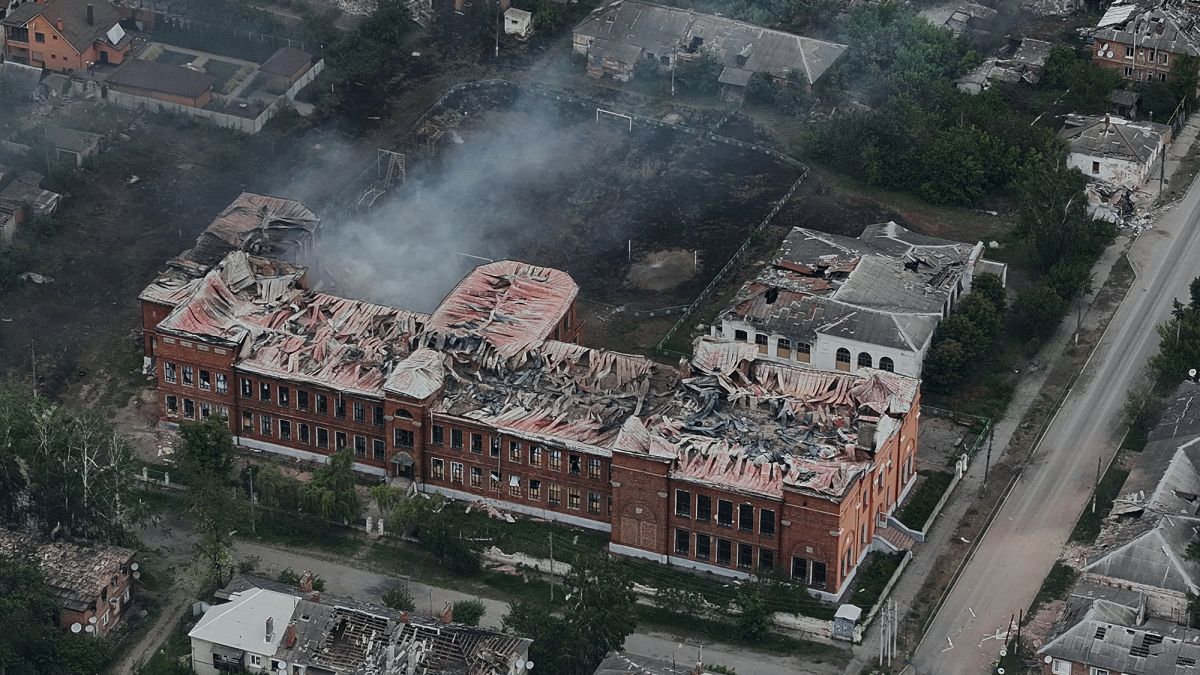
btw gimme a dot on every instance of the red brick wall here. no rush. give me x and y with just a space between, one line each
101 605
1143 64
152 314
205 361
641 503
697 527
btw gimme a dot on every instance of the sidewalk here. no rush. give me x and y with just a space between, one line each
941 535
1180 145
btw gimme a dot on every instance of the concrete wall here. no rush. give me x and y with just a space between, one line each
1122 172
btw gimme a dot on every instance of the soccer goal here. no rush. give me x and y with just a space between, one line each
602 111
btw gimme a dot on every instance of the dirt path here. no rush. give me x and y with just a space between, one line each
182 594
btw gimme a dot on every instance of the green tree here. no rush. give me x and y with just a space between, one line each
1088 85
983 315
1038 310
945 366
1052 215
699 74
408 513
469 612
1179 339
992 289
205 451
398 596
753 619
331 494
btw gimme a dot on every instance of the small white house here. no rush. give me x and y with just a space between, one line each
243 634
518 22
1115 150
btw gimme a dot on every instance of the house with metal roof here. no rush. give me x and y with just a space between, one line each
1115 150
1142 41
842 303
618 35
65 35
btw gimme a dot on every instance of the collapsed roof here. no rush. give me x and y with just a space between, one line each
1156 26
75 573
1113 137
624 28
889 286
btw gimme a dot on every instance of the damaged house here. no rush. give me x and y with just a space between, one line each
491 399
841 303
1022 61
268 627
1142 41
1113 150
619 35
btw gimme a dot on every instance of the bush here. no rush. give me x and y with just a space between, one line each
753 621
469 612
397 596
924 498
1038 310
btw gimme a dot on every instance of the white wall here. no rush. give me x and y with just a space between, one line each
823 354
1126 173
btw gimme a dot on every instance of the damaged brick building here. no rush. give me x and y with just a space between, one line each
727 463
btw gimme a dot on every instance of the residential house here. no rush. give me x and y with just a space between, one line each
1144 543
22 199
1021 61
65 35
490 399
265 627
618 35
1125 103
1115 150
964 19
842 303
71 147
285 68
1142 42
93 583
173 84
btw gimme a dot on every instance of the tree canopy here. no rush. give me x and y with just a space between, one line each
1179 339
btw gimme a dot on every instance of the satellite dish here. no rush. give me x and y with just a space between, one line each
91 619
520 664
529 665
90 628
76 627
1003 651
999 671
1192 373
137 575
1048 659
134 567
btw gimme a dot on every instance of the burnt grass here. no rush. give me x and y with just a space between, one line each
664 189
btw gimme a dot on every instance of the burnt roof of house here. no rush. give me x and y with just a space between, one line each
286 62
1113 137
73 14
161 78
662 30
75 573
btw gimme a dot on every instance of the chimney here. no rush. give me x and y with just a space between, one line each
447 615
91 15
270 633
403 617
866 435
306 582
289 636
59 24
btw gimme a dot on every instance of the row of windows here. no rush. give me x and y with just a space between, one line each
538 456
864 360
191 377
318 403
269 426
531 489
725 512
1143 55
784 348
193 411
723 549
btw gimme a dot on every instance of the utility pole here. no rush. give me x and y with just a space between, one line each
33 367
1099 462
987 463
551 569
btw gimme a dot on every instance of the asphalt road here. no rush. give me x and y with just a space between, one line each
1034 523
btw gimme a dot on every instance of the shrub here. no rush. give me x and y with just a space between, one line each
469 612
1038 310
397 596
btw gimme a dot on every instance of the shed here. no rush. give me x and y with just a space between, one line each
72 146
164 82
285 67
845 621
518 22
1124 102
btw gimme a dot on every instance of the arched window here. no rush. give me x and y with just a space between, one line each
885 363
402 413
843 359
864 360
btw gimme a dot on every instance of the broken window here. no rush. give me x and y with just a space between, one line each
556 460
456 441
360 412
683 542
378 449
746 517
885 363
818 574
247 421
535 489
593 502
476 477
783 347
285 430
724 513
740 335
477 443
284 396
494 483
1095 167
339 408
864 360
456 472
205 410
766 559
322 404
322 437
437 469
514 486
593 467
683 503
800 569
205 380
377 416
222 384
535 456
402 438
360 446
803 352
575 464
172 406
304 433
514 452
760 339
301 399
573 498
766 521
495 446
438 435
703 508
745 556
339 440
188 377
264 424
702 546
555 497
264 392
247 388
724 552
